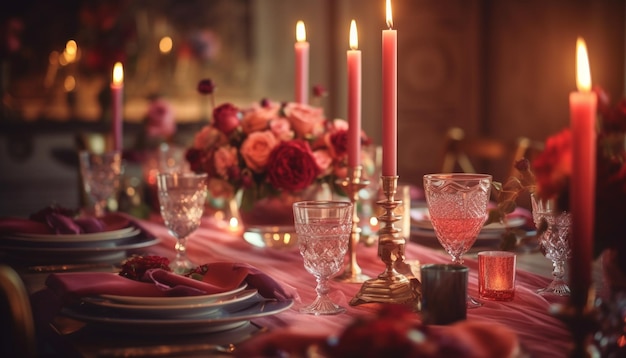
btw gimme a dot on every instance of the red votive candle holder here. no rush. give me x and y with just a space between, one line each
496 275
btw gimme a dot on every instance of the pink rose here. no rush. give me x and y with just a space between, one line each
257 118
307 121
223 159
281 129
226 118
208 137
256 150
292 166
160 122
324 161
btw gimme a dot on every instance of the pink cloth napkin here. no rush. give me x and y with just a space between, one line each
55 223
220 277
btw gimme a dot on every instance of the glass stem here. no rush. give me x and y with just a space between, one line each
181 248
558 270
322 288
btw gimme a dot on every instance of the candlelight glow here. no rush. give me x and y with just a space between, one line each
300 32
70 53
583 73
166 44
118 74
233 223
69 84
388 11
354 37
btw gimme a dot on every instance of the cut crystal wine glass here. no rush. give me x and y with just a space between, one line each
555 226
457 205
182 197
323 228
100 173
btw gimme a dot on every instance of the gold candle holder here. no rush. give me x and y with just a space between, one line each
352 185
581 321
391 286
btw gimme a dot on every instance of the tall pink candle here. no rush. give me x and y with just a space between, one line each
301 48
354 99
117 89
390 97
583 182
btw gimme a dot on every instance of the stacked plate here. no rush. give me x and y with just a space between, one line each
422 230
175 315
110 245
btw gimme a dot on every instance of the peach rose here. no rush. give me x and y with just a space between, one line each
307 121
208 137
258 117
281 129
224 158
256 150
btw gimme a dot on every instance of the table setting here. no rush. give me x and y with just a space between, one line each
189 278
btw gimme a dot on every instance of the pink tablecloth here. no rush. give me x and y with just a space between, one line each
540 334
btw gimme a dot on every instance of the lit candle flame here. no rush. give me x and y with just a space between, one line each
300 32
354 37
583 73
389 18
118 74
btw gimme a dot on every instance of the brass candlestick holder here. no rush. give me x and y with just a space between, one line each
391 286
582 322
352 185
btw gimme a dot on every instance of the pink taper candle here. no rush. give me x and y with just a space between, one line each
354 99
583 183
390 98
117 89
301 48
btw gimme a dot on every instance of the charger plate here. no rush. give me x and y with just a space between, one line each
224 320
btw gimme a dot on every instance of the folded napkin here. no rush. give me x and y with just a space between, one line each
219 277
56 223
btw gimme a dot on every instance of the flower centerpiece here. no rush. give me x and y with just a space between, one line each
272 154
548 177
553 168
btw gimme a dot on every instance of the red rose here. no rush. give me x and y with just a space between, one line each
553 166
135 267
206 86
291 166
339 142
226 118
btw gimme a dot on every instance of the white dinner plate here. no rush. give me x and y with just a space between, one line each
72 238
172 301
175 310
69 255
69 241
226 319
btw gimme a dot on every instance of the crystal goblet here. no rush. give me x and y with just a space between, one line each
555 242
100 173
182 197
323 228
457 205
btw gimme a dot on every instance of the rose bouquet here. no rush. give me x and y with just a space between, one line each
270 149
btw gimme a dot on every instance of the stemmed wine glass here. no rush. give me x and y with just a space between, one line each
457 205
182 198
100 173
323 228
555 241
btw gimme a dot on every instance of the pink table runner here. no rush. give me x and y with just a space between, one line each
540 334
